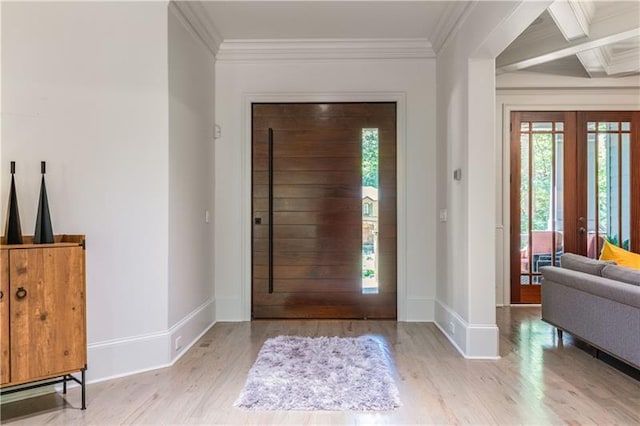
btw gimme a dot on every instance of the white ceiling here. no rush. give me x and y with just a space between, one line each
269 20
324 20
573 37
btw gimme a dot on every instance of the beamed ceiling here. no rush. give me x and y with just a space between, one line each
579 38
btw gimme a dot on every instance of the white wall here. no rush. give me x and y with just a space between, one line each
92 102
85 86
239 82
191 123
525 91
465 107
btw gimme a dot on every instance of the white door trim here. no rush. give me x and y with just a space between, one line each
401 143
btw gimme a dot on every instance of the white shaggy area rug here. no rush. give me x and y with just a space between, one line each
321 373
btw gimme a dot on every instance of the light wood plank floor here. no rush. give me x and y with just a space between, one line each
538 380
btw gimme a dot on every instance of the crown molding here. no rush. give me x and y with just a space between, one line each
463 15
194 15
447 25
324 49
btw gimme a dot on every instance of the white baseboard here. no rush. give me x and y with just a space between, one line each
132 355
473 341
420 310
191 328
229 310
452 326
483 341
121 357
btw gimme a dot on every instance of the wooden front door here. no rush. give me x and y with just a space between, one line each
324 210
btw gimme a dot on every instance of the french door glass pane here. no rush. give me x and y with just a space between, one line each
625 187
604 183
542 126
524 205
559 197
607 126
541 197
611 209
591 193
608 185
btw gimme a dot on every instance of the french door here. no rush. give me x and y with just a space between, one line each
324 210
609 199
575 182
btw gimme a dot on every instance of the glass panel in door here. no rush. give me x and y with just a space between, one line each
608 184
538 186
541 183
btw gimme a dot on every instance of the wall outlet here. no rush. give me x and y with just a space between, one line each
178 343
206 216
443 215
452 327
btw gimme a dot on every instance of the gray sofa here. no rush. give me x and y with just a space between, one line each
597 302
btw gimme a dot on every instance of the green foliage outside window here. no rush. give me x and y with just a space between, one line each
541 179
370 157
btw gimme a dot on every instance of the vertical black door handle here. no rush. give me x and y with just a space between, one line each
270 210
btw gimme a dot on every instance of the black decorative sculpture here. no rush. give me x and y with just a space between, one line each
13 231
44 232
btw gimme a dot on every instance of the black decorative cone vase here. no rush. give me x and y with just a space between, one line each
44 231
13 230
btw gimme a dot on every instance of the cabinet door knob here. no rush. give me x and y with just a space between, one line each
21 293
1 294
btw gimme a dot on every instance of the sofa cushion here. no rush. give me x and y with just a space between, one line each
621 273
603 287
575 262
620 256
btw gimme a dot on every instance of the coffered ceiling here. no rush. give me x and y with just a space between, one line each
579 38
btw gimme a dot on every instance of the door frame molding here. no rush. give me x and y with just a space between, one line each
400 98
508 106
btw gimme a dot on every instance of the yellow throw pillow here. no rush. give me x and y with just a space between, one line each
619 255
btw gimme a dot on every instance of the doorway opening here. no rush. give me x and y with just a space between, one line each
572 188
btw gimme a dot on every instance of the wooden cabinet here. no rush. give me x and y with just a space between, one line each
4 317
43 311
